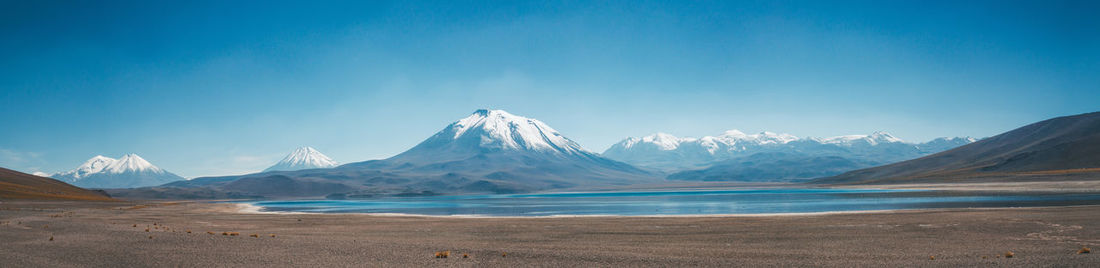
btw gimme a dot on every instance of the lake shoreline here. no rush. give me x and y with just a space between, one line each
104 234
771 201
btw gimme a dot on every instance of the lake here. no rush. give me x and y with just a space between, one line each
702 202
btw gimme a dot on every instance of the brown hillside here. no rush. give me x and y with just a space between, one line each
18 185
1063 148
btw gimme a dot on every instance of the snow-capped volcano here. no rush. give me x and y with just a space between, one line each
303 158
126 172
493 150
497 130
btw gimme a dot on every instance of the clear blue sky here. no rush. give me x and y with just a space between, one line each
212 88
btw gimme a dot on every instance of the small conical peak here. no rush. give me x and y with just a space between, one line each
304 157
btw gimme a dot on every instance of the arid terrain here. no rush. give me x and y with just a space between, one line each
122 234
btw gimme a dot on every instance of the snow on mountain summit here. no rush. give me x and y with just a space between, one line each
128 171
664 151
94 165
729 138
303 158
875 138
132 163
497 130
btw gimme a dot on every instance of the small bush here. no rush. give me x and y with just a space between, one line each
465 256
254 235
51 238
272 235
1084 250
1009 254
443 254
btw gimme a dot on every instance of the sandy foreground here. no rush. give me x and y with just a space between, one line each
104 235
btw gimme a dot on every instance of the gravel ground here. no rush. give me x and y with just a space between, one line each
103 235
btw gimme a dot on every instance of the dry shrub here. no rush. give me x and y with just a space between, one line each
465 256
254 235
150 237
1084 250
272 235
135 225
225 233
234 233
51 238
504 254
443 254
1009 254
932 257
189 231
146 229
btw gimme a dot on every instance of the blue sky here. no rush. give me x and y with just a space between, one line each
210 88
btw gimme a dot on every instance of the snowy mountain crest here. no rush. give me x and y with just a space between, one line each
303 158
132 163
130 170
669 152
499 130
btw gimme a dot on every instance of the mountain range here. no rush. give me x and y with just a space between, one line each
489 151
768 156
1063 148
128 171
670 153
492 151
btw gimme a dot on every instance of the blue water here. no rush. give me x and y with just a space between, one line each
742 201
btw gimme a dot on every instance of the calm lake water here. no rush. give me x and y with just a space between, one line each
743 201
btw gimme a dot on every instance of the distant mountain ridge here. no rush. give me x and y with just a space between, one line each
129 171
489 151
1056 149
303 158
670 153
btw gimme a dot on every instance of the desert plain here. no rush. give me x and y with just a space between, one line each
201 234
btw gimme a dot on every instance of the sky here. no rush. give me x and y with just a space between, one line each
204 88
